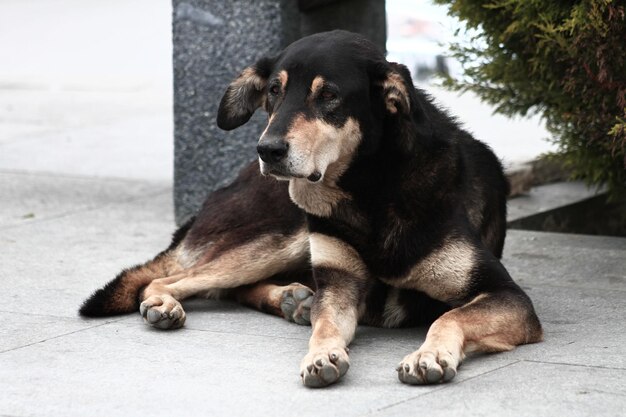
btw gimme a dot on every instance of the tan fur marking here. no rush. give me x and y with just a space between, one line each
443 274
318 146
269 122
265 296
337 324
189 257
283 77
331 252
261 295
318 82
241 87
316 198
245 264
396 95
491 327
325 329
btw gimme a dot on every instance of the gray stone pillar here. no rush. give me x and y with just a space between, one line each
213 41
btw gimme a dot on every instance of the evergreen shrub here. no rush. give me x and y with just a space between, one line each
565 60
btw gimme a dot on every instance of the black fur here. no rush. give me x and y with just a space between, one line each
250 207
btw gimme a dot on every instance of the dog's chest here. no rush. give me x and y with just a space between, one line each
444 274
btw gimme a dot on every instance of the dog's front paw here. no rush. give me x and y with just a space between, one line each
324 366
296 302
163 312
428 365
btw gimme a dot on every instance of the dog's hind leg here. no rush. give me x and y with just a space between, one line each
292 302
499 317
245 264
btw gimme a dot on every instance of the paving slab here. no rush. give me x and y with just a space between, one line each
526 389
581 326
30 108
34 197
51 266
566 260
135 148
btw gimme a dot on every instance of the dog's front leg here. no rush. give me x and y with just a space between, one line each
341 278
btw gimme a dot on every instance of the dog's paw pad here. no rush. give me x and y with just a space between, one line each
162 312
428 366
296 302
324 367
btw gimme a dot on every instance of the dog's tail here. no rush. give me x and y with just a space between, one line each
121 295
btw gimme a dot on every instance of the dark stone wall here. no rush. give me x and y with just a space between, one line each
213 41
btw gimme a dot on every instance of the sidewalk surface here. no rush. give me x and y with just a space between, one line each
85 189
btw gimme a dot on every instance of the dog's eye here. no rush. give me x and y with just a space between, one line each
328 95
275 90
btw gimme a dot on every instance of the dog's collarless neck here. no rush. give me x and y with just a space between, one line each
318 199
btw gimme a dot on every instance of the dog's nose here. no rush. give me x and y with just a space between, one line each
272 151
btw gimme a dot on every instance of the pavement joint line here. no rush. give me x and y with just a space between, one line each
58 336
85 209
442 387
617 368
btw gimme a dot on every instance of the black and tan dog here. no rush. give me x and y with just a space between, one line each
392 212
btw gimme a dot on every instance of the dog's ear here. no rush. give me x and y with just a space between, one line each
244 95
401 103
394 81
397 87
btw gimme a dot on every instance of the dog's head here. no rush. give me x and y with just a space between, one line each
327 96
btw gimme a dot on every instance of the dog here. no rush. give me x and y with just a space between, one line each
367 193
